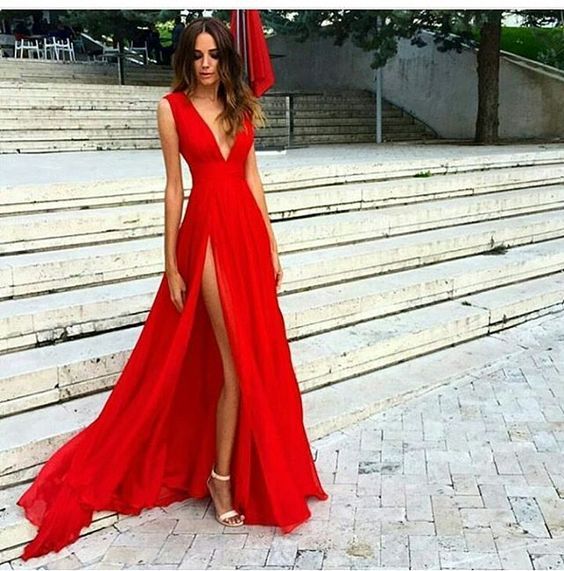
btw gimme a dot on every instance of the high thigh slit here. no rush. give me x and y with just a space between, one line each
153 441
214 298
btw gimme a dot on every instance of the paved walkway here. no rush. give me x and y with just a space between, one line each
468 476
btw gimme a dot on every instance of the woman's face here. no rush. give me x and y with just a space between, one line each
206 59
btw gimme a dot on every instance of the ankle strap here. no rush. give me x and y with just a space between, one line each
219 476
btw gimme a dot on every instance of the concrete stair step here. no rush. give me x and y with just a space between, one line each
87 68
56 270
301 101
121 103
405 128
80 107
133 144
61 113
28 438
266 141
326 102
112 120
85 145
77 130
292 193
83 105
349 138
110 133
140 220
104 94
31 78
24 87
362 127
92 122
273 137
44 375
70 228
305 125
394 220
96 99
388 112
73 110
33 320
22 199
408 136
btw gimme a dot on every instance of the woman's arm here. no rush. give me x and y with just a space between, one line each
174 191
174 198
253 180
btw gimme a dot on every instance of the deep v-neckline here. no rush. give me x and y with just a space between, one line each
210 131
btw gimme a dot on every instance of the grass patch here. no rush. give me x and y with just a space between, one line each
422 174
545 45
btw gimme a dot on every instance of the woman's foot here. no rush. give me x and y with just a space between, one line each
220 491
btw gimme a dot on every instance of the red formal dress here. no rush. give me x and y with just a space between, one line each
153 443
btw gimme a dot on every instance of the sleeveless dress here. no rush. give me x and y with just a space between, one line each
153 443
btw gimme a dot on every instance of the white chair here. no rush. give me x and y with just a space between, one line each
50 48
65 47
29 46
141 50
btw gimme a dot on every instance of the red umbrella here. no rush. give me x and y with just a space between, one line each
251 44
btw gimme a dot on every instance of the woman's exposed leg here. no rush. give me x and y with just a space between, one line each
228 403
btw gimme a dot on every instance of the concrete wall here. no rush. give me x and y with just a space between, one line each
440 89
318 64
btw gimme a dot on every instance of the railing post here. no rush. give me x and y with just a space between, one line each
289 100
121 62
379 77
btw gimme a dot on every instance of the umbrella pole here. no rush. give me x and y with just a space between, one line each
244 40
241 40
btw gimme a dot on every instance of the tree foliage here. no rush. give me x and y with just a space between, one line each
116 24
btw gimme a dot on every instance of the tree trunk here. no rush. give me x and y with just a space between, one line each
487 121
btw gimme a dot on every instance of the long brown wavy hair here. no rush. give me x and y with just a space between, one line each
238 98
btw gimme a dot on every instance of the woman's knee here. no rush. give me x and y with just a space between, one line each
212 301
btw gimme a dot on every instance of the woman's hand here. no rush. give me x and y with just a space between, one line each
278 272
177 289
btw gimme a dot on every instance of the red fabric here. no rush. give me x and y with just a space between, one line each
260 72
153 442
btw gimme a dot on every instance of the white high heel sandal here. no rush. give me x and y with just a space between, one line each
230 513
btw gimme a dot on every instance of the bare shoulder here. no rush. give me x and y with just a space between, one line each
166 124
164 105
165 113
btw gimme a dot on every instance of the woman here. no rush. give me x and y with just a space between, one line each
208 403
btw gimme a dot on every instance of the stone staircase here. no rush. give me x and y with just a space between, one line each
386 265
50 117
44 71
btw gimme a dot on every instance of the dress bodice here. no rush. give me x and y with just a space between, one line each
199 147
